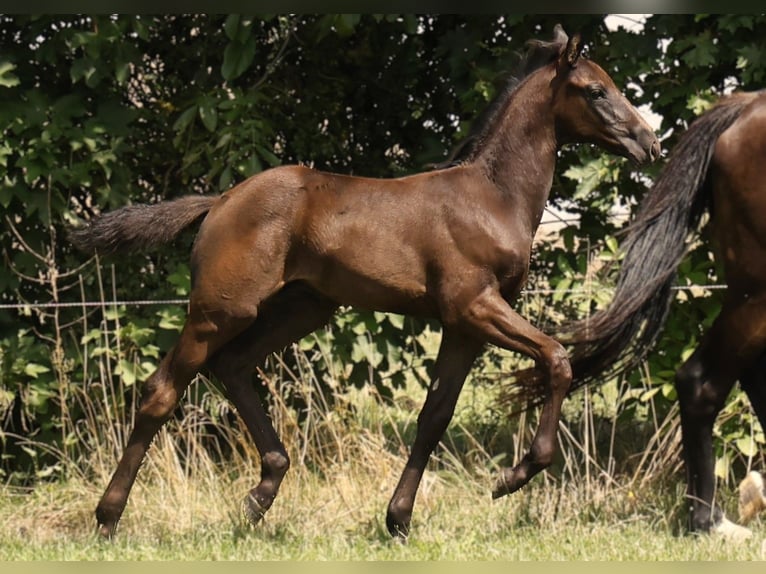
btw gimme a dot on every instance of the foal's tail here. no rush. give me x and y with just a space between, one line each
140 227
616 339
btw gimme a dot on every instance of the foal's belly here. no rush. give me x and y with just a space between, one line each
367 284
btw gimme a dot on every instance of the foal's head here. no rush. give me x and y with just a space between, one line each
589 108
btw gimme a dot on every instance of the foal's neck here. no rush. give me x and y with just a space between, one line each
519 156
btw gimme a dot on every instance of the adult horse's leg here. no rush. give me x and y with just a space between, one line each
161 393
456 355
702 388
290 315
703 382
490 316
753 382
752 492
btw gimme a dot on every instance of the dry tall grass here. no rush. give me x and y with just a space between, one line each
348 448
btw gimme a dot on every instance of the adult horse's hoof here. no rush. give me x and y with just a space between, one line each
731 532
253 510
752 496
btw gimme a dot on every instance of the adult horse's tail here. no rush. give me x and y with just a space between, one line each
616 339
140 227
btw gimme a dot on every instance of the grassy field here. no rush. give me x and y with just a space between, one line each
341 518
337 513
346 461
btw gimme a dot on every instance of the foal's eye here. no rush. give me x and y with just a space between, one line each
596 93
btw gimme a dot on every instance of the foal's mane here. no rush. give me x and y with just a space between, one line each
538 55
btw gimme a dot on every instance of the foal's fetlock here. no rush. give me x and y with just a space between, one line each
398 518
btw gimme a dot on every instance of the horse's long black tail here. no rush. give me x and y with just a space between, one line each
616 339
140 227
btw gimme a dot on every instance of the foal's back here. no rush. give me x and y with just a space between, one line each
374 243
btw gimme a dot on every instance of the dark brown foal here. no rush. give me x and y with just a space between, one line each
276 255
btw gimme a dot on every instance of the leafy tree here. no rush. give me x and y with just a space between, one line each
99 111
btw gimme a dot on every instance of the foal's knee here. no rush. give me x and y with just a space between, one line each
158 401
559 369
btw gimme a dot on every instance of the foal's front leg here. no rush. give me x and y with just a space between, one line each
456 355
491 317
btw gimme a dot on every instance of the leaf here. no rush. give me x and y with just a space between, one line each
223 140
747 446
231 26
7 79
703 51
669 391
83 69
588 176
121 72
171 319
722 466
181 279
267 154
396 320
237 58
344 24
34 370
185 119
127 370
224 182
208 115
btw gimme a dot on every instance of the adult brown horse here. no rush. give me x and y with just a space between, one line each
717 164
278 253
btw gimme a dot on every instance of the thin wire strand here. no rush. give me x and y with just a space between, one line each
150 302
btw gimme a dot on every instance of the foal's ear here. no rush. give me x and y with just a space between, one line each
572 51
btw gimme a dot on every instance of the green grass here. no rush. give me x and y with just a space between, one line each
342 518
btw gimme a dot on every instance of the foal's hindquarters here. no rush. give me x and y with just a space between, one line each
230 281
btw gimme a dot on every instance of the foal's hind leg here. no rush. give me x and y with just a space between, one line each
290 315
456 355
161 393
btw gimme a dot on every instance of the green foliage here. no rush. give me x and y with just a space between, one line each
99 111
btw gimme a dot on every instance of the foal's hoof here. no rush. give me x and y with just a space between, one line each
752 496
253 510
508 482
106 531
396 529
106 522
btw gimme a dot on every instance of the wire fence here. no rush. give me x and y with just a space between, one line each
19 305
